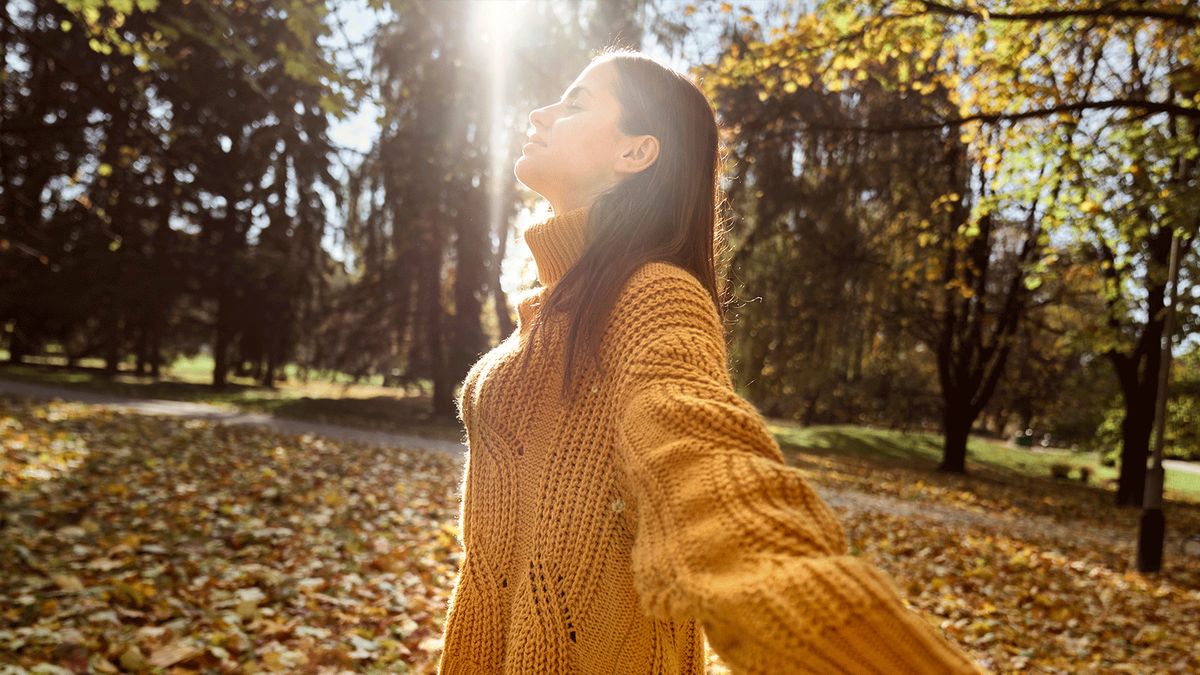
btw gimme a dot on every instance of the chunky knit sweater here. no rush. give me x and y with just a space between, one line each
613 532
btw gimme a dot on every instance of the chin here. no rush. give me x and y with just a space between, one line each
527 175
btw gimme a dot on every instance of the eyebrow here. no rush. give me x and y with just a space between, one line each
576 90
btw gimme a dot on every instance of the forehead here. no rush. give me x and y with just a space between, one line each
597 79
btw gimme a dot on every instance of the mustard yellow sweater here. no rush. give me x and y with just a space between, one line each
612 533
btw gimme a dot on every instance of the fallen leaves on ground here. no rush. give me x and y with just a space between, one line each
1039 602
133 543
138 544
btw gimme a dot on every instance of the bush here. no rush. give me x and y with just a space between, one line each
1085 474
1059 470
1181 435
1109 458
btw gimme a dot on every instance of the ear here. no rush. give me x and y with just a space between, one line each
638 153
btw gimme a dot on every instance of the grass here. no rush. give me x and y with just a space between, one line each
336 400
922 451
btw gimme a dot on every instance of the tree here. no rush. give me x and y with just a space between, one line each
1061 75
959 251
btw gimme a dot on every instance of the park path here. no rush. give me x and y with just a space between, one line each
228 415
845 500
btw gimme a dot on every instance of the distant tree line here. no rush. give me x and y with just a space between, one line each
168 180
942 218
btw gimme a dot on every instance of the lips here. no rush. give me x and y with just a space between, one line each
533 143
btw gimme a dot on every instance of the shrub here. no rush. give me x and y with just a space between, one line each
1060 470
1085 474
1182 434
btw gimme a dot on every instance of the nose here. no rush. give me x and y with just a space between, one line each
537 118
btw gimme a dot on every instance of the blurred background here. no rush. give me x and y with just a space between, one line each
948 219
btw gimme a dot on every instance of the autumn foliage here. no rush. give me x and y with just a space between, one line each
131 542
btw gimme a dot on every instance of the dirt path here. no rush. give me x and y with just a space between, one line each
228 415
846 501
1027 527
1176 465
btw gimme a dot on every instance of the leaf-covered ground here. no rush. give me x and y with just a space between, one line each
146 544
1029 575
134 542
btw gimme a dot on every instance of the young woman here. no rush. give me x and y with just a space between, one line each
620 500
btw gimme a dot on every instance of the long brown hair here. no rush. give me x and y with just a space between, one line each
667 212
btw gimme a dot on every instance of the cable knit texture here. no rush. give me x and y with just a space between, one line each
612 532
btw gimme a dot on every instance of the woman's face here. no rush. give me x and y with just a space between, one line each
576 150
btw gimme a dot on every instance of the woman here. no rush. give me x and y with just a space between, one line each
620 500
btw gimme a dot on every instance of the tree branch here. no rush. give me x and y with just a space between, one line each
1180 17
1149 107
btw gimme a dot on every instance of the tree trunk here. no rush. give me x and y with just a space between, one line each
112 338
467 340
1135 450
957 424
268 379
221 344
1137 371
443 386
141 351
156 350
1139 384
17 349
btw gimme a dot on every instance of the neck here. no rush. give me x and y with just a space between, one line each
557 242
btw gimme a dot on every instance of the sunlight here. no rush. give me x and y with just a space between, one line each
495 22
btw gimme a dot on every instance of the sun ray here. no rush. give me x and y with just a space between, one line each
495 22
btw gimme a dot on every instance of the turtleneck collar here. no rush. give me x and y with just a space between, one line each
557 242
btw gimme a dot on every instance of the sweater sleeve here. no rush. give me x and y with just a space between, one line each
728 534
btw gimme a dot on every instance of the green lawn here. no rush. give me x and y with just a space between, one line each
335 399
923 451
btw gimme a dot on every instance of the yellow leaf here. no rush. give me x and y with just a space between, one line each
67 582
133 659
175 652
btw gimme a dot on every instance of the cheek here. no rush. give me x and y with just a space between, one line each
588 149
579 156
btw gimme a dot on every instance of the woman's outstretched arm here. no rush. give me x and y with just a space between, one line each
726 532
